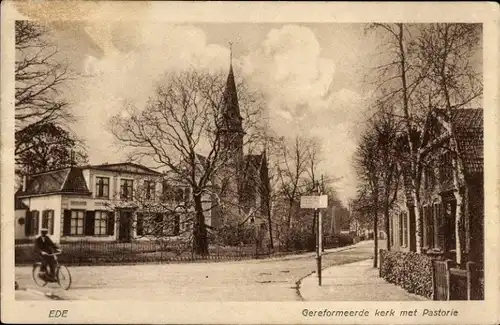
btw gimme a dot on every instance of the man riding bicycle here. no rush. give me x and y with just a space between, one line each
44 247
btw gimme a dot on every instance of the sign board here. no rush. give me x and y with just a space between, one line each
314 202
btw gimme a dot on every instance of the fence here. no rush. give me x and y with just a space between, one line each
430 277
451 283
149 251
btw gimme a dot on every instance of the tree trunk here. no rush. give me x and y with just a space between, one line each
418 223
200 230
375 240
458 180
387 227
269 219
375 232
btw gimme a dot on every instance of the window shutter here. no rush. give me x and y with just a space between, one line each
440 223
51 222
36 222
67 223
140 224
27 223
111 224
89 223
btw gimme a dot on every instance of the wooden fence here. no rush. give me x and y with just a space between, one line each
451 283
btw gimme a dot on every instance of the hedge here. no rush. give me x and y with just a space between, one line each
409 270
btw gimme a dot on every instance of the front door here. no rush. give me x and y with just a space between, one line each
125 228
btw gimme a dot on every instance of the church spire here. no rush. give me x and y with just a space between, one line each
231 55
230 106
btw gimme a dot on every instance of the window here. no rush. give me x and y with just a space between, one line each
401 229
76 225
158 224
48 220
179 195
126 189
177 224
429 178
102 187
101 223
445 168
403 236
436 217
150 189
430 226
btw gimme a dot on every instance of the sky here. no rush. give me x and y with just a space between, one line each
311 74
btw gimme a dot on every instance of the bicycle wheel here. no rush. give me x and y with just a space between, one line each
36 271
63 277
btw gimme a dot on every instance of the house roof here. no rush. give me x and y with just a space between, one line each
66 180
18 203
467 128
126 167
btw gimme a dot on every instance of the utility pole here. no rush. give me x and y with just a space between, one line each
319 234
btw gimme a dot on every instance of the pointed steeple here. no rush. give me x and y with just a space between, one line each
230 106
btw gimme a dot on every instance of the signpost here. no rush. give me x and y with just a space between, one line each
316 202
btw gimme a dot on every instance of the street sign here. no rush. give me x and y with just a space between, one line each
314 202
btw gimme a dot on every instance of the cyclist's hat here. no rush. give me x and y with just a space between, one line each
44 230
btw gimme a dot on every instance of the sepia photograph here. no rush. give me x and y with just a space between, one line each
247 161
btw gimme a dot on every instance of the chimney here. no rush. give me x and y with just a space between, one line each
24 183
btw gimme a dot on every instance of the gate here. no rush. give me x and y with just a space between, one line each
441 280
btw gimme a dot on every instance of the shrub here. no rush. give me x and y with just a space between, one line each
345 240
233 235
409 270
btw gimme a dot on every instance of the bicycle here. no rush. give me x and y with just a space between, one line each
62 274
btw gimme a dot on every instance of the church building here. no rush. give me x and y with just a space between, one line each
244 179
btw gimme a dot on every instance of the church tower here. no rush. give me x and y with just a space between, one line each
231 147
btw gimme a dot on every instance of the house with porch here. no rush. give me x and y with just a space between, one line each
106 202
451 207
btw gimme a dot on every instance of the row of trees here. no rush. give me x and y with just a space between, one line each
426 67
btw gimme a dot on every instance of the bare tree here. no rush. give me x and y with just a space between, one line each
294 162
367 166
386 131
183 120
40 74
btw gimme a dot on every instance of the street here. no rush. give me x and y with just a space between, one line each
254 280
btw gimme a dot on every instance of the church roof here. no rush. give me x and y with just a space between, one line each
230 107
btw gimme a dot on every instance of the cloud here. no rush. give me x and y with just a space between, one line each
296 79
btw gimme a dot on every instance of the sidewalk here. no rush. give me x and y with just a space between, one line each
358 281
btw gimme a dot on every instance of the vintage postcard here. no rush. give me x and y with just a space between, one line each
249 162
